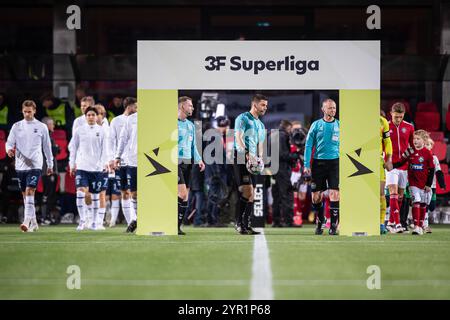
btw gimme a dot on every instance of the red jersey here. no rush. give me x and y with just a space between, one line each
419 161
401 137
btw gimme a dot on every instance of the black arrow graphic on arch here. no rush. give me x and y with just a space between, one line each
159 168
362 169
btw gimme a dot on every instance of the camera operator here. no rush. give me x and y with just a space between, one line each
298 139
282 189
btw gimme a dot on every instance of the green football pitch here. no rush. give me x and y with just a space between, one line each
219 264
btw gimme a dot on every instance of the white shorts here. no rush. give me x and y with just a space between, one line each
398 177
420 195
303 188
295 176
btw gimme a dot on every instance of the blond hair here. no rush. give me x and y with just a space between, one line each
423 134
100 109
182 100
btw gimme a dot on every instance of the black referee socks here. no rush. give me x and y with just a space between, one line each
334 213
182 207
318 208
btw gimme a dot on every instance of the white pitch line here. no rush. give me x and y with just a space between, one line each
261 283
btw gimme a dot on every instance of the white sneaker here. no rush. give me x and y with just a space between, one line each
399 228
112 224
390 227
417 231
100 227
81 226
33 227
92 226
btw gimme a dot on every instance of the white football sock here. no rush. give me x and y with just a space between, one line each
126 207
28 210
95 206
101 216
81 206
115 208
425 220
133 209
90 213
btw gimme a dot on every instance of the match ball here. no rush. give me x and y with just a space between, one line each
255 165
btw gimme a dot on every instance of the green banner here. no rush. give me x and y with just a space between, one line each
359 169
157 162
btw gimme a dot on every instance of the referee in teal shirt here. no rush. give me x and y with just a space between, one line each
249 136
324 136
187 151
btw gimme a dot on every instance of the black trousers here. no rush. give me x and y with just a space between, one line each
49 195
404 210
283 198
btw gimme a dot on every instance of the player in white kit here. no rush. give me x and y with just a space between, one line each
121 180
26 141
85 103
103 122
128 144
89 161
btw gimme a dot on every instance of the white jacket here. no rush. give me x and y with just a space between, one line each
88 148
30 138
128 141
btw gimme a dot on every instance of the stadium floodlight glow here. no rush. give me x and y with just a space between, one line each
352 67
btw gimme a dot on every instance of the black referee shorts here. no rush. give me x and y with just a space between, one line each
184 174
241 174
324 175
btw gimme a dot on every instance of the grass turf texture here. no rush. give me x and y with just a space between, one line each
217 264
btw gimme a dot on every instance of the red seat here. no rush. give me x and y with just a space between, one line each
2 145
60 137
429 121
427 107
447 185
437 135
69 183
447 120
440 150
63 145
444 168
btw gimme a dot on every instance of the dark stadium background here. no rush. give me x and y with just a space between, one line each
38 55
